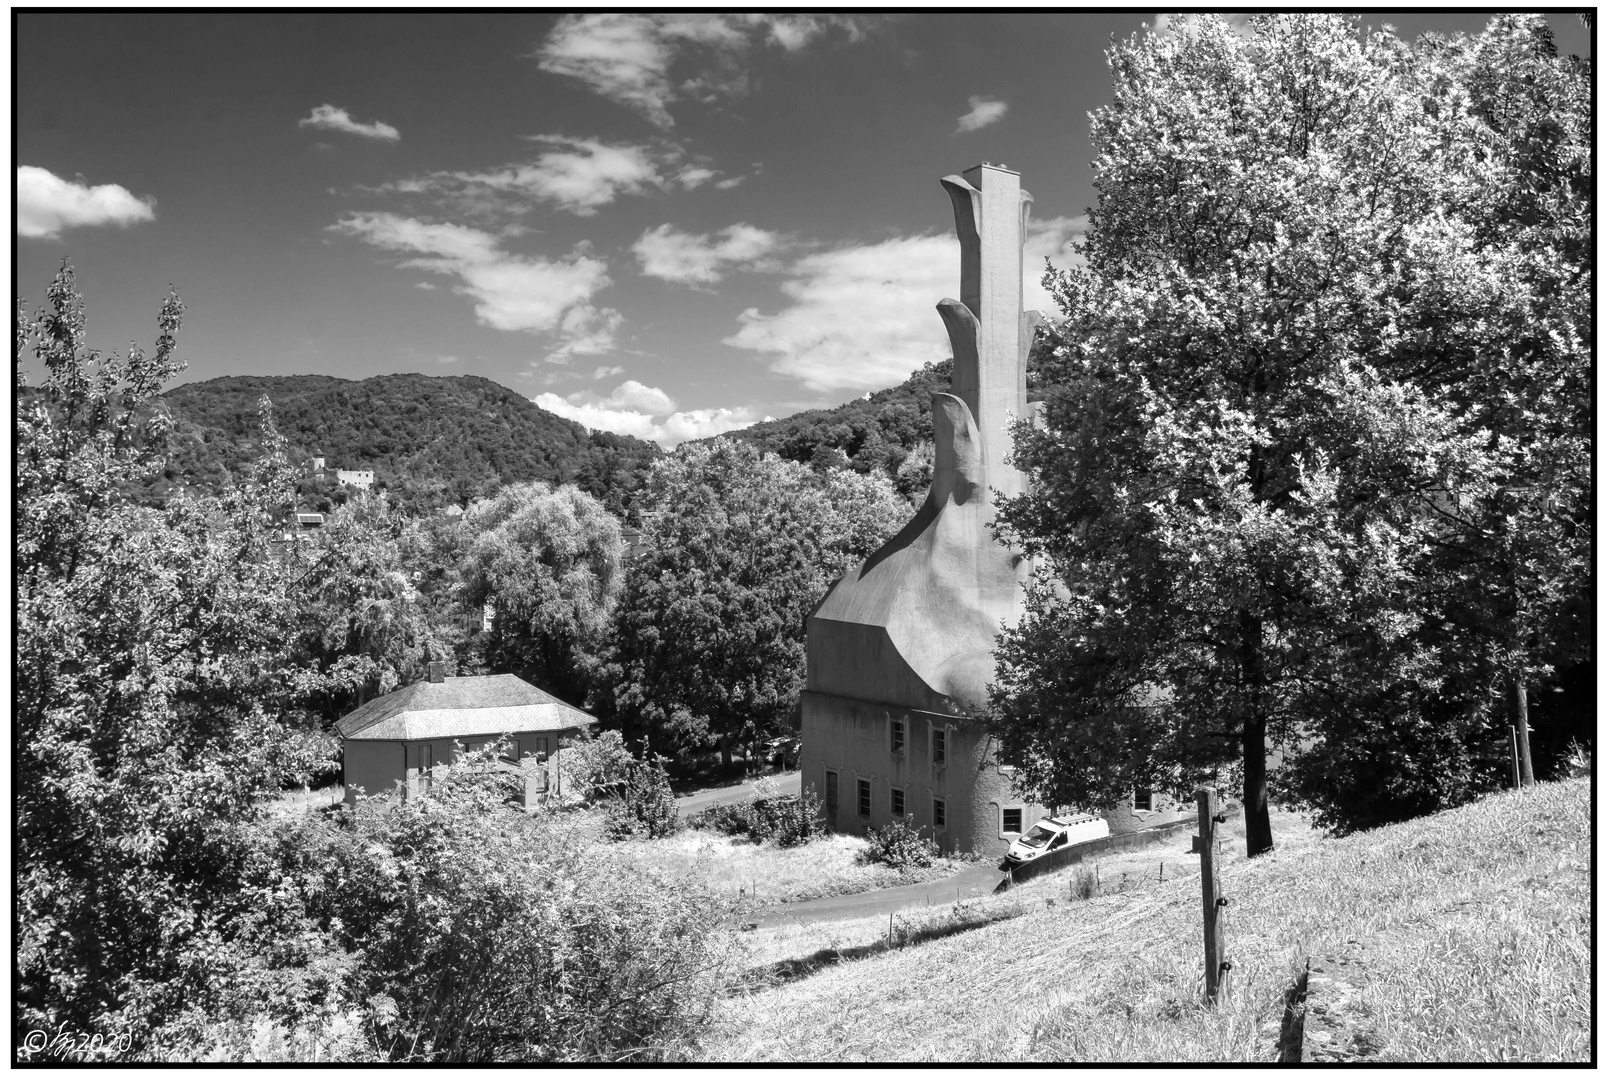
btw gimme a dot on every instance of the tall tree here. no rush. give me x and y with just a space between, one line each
550 562
155 689
1259 434
710 635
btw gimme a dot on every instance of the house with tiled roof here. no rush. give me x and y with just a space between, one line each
392 745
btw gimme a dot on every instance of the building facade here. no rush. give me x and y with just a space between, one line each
398 744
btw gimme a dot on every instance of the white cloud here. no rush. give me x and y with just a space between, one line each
666 253
645 412
863 318
511 291
332 118
606 372
729 183
578 175
47 204
628 57
427 286
449 360
980 112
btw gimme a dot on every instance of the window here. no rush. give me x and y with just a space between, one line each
1012 819
1143 798
424 767
897 802
832 793
897 736
939 813
863 798
939 746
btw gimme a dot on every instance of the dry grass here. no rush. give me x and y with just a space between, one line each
763 873
1467 934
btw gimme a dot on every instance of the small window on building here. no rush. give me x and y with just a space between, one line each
897 802
863 798
1012 819
939 746
1143 798
897 736
832 792
425 766
939 813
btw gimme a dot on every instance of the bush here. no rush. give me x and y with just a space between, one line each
595 767
647 805
790 820
467 931
900 845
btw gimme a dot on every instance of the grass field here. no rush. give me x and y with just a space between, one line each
1467 935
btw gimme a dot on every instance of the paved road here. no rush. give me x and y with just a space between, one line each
977 880
785 784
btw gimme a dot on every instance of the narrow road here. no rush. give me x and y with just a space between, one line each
978 880
784 783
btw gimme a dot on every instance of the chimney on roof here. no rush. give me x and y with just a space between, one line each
435 671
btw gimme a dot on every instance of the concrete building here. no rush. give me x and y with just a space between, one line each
395 744
362 478
900 652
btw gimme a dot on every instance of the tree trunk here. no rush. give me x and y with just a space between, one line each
1255 789
726 753
1254 757
1521 734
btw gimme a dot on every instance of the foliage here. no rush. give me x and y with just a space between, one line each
368 626
156 692
647 807
550 562
432 442
596 766
1290 416
710 637
481 934
789 820
900 844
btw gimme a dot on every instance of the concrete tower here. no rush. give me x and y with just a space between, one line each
901 650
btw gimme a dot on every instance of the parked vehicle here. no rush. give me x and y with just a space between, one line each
1053 834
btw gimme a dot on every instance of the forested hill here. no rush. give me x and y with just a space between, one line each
431 441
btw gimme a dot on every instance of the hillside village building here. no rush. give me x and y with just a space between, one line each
900 652
395 744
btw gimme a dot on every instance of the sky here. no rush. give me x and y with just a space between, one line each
666 225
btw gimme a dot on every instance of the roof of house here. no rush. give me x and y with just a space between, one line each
460 707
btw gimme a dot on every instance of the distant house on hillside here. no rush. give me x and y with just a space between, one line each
396 743
363 478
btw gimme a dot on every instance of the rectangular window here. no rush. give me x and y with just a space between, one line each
1012 819
863 798
832 792
939 746
939 813
1143 798
897 736
897 802
424 766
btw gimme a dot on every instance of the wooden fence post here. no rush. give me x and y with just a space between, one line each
1215 967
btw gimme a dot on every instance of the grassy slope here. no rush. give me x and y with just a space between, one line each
1467 933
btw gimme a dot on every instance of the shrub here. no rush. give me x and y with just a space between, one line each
467 931
900 845
647 805
790 820
596 766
